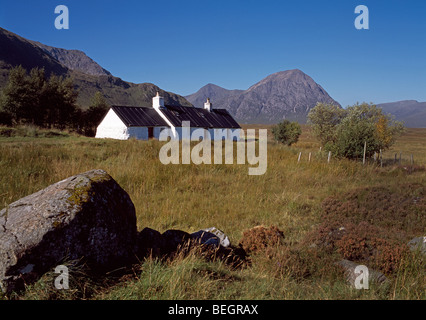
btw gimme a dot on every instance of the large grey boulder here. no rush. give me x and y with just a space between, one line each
87 217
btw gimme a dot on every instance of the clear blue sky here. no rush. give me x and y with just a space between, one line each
182 45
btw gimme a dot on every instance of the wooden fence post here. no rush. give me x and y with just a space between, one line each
365 150
300 154
329 156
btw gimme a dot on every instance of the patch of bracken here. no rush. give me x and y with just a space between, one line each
260 238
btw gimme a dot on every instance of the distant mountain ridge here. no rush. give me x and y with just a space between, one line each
212 91
88 76
411 112
282 95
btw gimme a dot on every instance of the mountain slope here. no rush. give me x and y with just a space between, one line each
283 95
411 112
74 60
16 50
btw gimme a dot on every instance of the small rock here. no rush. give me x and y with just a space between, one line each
224 240
206 238
418 244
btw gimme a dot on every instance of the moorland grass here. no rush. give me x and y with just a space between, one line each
193 197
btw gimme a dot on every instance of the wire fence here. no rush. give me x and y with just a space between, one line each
378 159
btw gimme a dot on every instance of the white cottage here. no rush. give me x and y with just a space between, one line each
144 123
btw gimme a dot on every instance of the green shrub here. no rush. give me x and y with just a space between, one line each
287 132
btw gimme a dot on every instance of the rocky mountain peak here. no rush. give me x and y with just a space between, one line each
289 94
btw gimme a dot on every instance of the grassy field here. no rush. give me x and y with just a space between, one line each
291 195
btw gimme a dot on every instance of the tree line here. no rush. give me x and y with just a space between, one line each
47 102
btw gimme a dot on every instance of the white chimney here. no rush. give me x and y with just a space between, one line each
207 105
157 101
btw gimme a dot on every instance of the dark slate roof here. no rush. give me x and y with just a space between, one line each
200 118
139 116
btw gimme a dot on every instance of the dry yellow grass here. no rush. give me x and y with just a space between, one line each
191 197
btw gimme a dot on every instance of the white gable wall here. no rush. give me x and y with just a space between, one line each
112 127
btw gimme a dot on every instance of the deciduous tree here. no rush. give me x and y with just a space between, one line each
345 131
